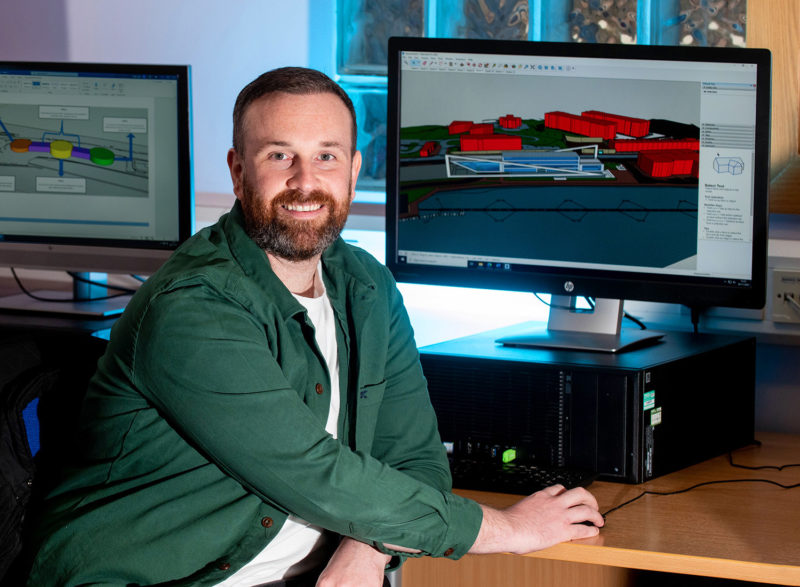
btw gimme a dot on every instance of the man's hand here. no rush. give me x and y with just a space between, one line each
538 521
354 564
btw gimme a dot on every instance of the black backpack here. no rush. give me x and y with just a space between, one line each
22 381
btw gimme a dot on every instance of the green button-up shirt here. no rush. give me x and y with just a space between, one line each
204 426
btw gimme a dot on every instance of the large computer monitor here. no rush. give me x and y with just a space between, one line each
95 170
608 171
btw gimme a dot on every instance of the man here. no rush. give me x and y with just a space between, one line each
261 403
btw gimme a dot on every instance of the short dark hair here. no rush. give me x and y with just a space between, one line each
289 80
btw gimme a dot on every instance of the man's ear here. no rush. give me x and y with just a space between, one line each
236 167
354 169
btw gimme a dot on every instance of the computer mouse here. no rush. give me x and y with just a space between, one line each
590 523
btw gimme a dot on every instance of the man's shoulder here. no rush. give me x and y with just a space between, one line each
203 259
205 267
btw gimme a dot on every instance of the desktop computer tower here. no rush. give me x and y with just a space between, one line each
628 417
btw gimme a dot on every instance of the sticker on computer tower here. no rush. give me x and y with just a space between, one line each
655 417
649 400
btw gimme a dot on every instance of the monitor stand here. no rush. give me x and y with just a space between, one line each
598 329
94 301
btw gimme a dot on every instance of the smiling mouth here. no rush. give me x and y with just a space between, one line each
302 207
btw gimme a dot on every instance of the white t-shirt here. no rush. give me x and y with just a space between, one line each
299 546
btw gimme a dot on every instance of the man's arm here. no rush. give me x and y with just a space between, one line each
406 435
536 522
539 521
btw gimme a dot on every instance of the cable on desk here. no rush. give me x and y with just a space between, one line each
30 294
759 467
695 486
720 481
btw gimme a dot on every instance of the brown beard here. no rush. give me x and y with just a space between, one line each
293 240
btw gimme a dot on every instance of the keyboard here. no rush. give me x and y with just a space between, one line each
522 479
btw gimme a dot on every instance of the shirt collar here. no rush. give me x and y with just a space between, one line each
340 266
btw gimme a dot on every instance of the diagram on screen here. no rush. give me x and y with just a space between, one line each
732 165
79 150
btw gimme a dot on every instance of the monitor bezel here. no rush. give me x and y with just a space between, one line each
689 291
112 255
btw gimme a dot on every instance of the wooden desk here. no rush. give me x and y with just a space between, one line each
748 531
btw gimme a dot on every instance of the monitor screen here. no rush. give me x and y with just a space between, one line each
621 172
95 165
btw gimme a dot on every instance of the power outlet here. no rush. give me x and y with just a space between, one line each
786 296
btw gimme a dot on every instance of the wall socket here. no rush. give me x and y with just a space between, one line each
786 296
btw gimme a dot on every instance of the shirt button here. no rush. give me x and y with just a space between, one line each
266 522
448 552
319 389
224 566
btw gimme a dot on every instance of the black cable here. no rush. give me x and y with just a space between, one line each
33 296
705 483
760 467
695 317
635 320
702 484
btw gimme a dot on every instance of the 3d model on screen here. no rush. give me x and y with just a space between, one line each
501 168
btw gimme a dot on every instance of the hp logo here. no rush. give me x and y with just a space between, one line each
569 286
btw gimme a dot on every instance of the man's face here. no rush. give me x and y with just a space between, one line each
297 174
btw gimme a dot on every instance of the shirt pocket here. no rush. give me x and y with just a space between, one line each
368 404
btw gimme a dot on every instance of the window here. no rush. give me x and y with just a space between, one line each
363 26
